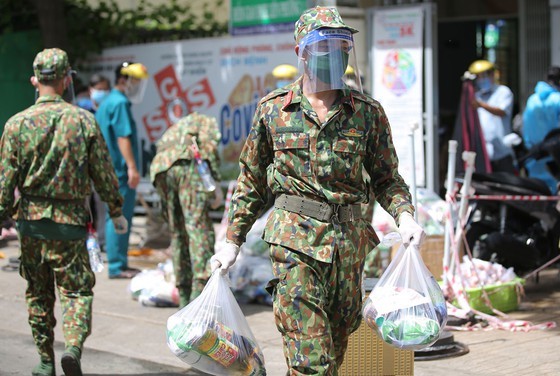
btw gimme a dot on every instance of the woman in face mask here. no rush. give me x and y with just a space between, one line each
99 88
494 104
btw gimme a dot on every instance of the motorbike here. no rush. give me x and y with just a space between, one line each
522 234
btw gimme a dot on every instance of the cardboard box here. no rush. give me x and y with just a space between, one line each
367 354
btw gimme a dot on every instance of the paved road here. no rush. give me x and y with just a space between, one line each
129 339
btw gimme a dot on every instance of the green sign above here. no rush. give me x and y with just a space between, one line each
264 16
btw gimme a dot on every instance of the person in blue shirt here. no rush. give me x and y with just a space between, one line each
541 115
494 104
119 130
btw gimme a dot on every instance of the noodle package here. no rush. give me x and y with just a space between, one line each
406 307
212 334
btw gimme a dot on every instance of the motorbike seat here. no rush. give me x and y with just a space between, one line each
512 184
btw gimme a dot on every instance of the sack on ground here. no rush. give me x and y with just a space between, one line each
212 334
406 307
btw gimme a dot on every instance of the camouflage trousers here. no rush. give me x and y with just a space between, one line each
317 306
64 264
192 233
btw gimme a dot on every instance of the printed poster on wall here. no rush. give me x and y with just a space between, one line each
220 77
397 82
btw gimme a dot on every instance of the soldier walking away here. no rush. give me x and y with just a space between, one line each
186 200
310 143
51 152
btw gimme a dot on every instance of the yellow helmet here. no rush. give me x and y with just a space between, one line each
349 70
285 71
480 66
136 70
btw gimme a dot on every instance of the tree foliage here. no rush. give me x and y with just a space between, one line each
90 29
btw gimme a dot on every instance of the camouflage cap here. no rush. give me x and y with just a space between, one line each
50 64
316 18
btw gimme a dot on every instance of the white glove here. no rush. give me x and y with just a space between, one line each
218 198
225 256
121 224
512 140
411 232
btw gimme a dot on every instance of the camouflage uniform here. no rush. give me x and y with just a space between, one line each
317 264
184 200
50 152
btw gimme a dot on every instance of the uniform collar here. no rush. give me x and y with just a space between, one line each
49 98
295 95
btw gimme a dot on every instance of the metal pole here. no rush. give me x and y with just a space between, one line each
468 157
413 128
451 160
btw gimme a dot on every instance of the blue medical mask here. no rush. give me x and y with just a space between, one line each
98 95
282 83
484 83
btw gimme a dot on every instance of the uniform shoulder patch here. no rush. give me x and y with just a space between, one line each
364 98
273 94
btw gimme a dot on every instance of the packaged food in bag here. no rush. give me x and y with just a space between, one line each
212 334
407 307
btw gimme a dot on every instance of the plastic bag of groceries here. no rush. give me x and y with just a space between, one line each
212 334
406 307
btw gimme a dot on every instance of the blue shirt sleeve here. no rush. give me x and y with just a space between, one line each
122 120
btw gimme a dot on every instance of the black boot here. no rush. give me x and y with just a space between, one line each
71 361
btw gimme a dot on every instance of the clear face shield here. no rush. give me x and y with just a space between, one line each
68 95
323 57
135 89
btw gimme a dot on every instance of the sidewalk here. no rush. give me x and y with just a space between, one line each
129 339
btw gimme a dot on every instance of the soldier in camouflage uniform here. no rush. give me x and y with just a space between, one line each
51 152
185 201
311 143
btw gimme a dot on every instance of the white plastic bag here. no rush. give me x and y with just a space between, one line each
406 307
212 334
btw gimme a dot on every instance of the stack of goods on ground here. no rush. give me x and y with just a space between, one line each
156 287
253 270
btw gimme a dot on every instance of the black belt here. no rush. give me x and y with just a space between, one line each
77 201
323 211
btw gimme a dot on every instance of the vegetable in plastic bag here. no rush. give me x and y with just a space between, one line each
406 307
212 334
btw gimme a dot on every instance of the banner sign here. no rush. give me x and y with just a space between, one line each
397 82
220 77
264 16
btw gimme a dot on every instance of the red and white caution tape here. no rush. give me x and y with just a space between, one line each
455 285
514 197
